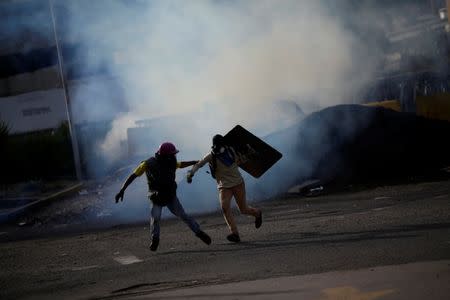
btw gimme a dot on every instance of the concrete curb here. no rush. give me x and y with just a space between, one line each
417 280
13 214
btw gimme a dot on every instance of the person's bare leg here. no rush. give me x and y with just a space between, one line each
241 201
225 196
239 195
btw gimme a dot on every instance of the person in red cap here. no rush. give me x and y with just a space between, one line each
160 172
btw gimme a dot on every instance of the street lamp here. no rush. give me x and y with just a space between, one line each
72 131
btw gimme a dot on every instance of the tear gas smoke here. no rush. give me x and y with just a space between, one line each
235 58
221 63
216 64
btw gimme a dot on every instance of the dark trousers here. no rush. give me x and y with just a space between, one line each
176 209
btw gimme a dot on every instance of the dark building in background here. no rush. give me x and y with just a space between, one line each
29 64
34 90
416 53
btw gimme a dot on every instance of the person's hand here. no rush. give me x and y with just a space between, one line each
119 196
189 176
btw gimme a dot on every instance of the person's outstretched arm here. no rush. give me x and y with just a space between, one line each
185 164
119 196
136 173
198 165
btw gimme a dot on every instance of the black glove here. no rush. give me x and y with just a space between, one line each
189 176
119 196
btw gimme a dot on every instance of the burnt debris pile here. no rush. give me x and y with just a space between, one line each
355 143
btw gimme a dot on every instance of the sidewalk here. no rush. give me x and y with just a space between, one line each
16 202
424 280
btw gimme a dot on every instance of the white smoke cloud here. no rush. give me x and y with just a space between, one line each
240 56
113 147
237 58
221 62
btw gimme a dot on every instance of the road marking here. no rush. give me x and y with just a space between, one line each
349 292
2 233
381 208
127 260
85 268
382 198
440 196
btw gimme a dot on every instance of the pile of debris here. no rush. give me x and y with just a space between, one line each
354 143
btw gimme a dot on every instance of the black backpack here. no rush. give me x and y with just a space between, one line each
213 165
161 179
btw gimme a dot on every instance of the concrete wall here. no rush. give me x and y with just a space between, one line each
34 111
43 79
93 99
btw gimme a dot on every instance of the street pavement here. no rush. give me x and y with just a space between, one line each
11 208
385 242
389 282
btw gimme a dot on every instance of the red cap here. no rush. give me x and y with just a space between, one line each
167 148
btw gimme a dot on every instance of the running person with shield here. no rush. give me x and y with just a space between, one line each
224 163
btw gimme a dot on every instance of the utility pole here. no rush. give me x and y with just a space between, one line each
72 131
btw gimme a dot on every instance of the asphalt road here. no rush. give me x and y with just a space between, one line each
380 226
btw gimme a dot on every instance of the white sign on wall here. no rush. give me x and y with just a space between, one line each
34 111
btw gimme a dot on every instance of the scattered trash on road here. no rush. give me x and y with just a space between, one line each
315 191
127 260
303 187
381 198
83 192
104 214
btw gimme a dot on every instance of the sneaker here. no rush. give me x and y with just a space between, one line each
154 244
258 220
204 237
234 238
